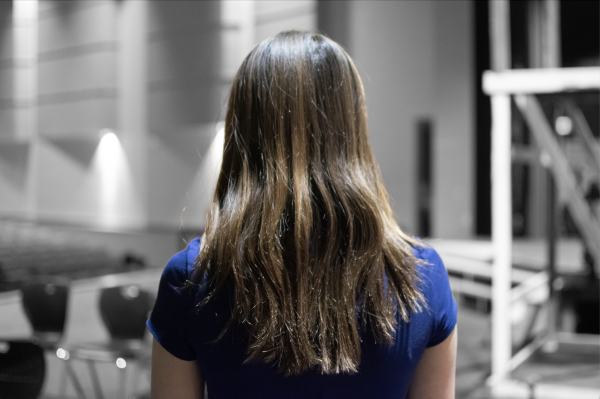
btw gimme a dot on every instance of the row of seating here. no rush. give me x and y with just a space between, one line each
18 265
30 250
32 235
124 310
74 265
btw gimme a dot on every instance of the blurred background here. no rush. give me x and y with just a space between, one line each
110 133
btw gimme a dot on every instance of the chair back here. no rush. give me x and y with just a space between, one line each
124 310
22 370
45 304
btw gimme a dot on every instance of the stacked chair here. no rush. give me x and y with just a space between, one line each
22 369
124 310
44 301
45 304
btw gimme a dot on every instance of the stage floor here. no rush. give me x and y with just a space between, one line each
528 254
473 363
573 371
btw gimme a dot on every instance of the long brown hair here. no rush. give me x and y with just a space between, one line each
300 224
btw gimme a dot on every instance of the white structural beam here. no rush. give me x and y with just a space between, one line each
500 84
501 237
542 80
500 57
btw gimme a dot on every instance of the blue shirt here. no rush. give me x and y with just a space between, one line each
385 370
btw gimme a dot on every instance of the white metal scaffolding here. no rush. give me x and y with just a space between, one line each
502 84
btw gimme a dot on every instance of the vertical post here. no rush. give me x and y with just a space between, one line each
550 54
551 237
551 34
538 174
25 74
132 126
424 166
501 197
25 89
501 237
500 55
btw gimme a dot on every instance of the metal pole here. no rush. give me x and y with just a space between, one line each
551 236
551 59
501 238
501 196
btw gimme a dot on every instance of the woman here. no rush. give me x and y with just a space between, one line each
303 285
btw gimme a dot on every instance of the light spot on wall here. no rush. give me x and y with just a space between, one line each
211 165
24 72
206 179
112 169
25 9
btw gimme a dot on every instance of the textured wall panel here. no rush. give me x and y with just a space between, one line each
275 16
77 79
7 113
82 118
183 64
67 189
271 27
180 106
6 36
81 72
13 177
7 121
282 9
393 45
77 24
6 85
177 14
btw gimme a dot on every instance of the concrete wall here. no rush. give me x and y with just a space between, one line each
183 108
17 91
147 71
275 16
158 73
393 46
7 66
78 97
454 129
416 62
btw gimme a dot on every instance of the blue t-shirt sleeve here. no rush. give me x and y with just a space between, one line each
439 297
170 319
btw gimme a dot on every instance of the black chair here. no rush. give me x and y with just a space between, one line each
22 370
124 311
45 302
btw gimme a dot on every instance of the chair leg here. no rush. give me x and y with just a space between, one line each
123 382
143 375
63 380
135 378
95 379
74 380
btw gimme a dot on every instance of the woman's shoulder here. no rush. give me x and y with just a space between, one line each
435 286
181 265
169 321
430 259
432 270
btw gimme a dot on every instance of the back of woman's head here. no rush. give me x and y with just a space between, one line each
300 224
